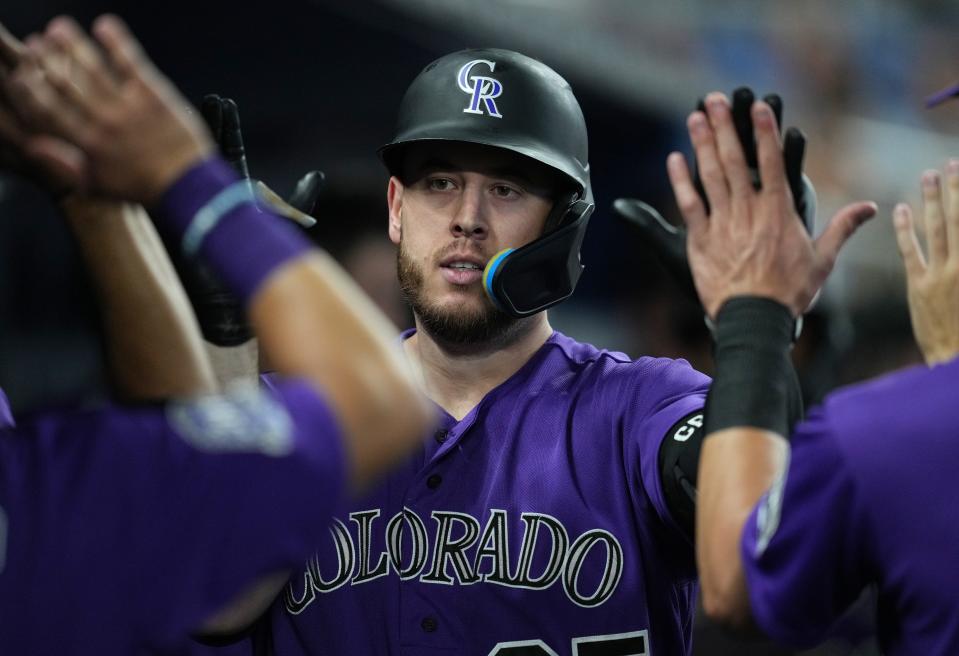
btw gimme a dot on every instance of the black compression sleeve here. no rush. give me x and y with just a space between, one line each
755 384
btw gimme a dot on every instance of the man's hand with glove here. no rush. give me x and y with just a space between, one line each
223 117
220 314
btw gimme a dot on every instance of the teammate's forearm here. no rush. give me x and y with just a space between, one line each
311 319
154 345
736 466
747 413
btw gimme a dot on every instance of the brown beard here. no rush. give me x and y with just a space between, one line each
458 329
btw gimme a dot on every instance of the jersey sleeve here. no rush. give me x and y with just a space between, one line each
804 544
665 395
204 497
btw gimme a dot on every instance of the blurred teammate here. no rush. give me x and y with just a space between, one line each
789 538
125 529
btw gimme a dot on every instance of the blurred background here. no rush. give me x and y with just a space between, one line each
318 83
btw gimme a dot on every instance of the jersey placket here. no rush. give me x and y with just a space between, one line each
421 621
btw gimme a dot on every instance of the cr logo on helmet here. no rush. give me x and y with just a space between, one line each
481 88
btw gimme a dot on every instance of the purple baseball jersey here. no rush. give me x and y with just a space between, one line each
535 525
123 529
870 497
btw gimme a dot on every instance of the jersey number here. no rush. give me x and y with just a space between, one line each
620 644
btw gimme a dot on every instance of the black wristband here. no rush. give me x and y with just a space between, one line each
754 378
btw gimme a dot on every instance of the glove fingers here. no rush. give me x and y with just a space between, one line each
212 114
667 241
794 151
307 191
776 103
808 210
231 139
743 99
646 218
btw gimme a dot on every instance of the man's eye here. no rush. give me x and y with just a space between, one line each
504 191
440 184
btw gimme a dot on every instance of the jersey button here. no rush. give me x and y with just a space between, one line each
434 481
428 624
441 435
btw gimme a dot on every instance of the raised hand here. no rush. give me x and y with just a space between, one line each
14 128
794 152
669 242
751 241
134 131
932 283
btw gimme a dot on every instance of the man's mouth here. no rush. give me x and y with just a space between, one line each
462 271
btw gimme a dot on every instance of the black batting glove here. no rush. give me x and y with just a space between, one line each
307 192
221 316
223 117
668 241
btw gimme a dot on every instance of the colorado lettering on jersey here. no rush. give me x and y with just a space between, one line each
463 552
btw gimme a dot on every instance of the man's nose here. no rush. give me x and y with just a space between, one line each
470 218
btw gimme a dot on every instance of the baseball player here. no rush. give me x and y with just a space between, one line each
542 517
789 535
125 529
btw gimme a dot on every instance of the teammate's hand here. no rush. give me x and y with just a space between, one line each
933 285
14 129
751 241
669 242
135 132
794 153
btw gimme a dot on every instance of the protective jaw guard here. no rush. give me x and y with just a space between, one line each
530 279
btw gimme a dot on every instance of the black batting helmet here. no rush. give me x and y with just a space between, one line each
507 100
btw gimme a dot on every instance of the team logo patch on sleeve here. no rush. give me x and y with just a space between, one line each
244 419
769 512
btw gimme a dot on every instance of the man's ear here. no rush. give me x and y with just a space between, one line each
394 200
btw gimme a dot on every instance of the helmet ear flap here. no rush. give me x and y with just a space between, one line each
527 280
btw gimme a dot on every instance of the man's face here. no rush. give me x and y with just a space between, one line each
461 204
